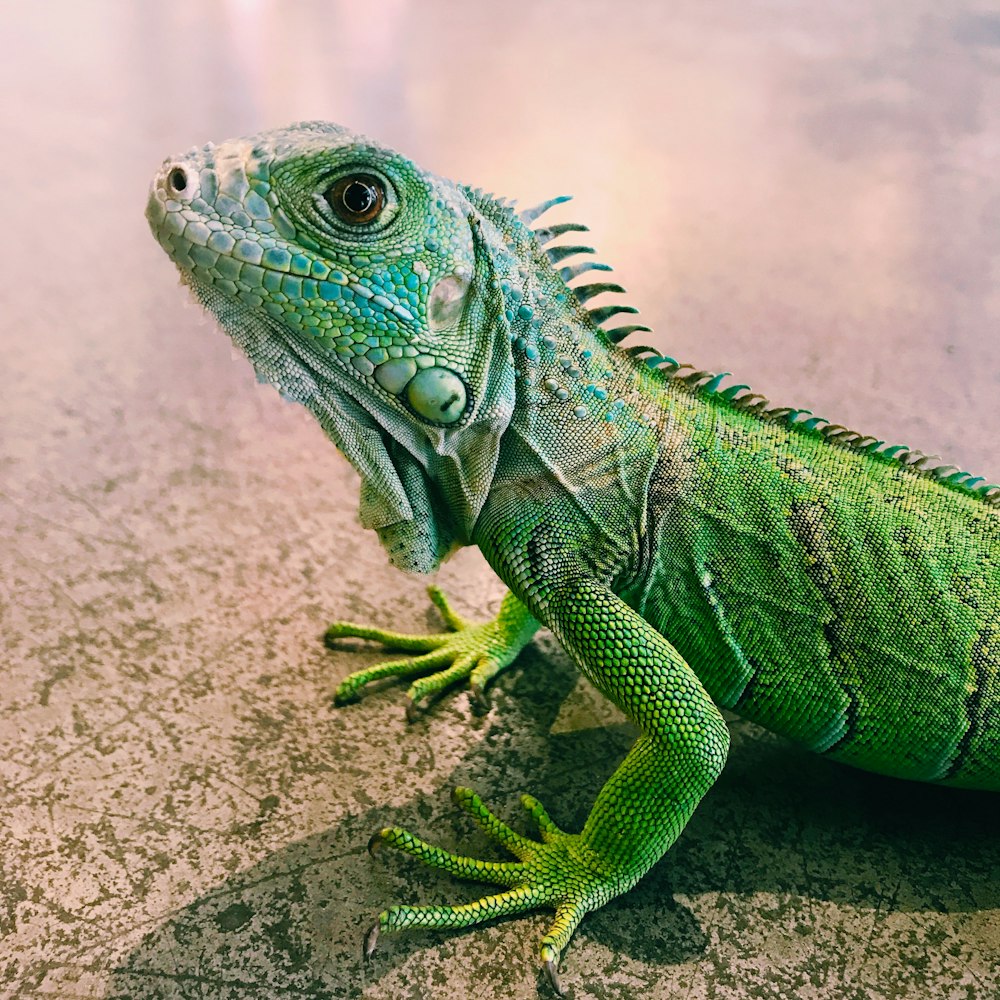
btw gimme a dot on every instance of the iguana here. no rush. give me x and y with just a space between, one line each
690 545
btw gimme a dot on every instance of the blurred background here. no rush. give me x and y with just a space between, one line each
803 193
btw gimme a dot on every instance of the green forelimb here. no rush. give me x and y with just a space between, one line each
648 800
639 812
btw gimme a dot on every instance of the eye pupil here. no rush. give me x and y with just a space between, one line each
357 198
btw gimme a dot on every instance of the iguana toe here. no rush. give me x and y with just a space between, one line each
474 652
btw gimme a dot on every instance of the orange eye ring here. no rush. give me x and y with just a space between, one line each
356 198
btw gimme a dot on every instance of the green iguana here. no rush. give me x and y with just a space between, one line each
691 546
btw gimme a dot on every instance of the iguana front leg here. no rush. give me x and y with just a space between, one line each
639 812
478 652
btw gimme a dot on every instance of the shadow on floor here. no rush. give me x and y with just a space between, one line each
779 820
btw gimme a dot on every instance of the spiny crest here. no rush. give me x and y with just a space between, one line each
583 293
739 395
493 207
742 397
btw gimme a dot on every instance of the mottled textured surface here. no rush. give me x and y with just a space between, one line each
805 197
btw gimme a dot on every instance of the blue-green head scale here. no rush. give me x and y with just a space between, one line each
366 289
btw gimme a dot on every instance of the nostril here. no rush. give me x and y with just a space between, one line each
177 179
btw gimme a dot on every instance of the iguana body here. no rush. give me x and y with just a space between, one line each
688 545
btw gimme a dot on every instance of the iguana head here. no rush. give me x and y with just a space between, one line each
368 290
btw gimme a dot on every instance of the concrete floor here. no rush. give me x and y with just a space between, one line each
805 194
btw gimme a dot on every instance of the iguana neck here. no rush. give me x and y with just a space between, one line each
586 415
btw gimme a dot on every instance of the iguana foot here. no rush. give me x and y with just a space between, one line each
478 652
559 871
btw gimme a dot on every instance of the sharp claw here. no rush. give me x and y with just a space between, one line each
413 712
371 941
375 844
480 700
551 973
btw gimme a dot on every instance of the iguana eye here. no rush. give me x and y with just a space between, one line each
356 198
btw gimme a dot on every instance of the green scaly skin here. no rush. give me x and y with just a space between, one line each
690 545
